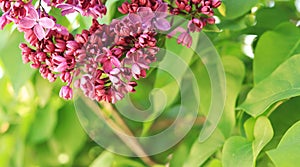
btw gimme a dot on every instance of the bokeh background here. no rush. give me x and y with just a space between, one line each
37 128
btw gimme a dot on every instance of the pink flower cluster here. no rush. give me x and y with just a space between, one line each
199 12
133 6
105 60
94 8
115 54
48 48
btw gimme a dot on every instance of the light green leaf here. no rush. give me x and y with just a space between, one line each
179 156
104 160
163 79
111 9
45 122
69 136
8 143
14 68
120 161
263 134
235 72
43 90
201 151
56 12
214 163
273 48
287 153
234 9
283 83
237 151
243 152
249 128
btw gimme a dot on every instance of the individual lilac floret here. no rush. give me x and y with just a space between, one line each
40 25
156 18
185 39
66 92
13 11
93 8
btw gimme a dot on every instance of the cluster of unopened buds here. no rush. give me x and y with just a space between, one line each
104 60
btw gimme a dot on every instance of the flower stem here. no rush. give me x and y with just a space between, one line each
120 128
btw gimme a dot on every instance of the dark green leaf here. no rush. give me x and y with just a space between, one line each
283 118
282 11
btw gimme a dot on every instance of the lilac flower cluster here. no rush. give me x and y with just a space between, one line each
116 54
104 60
94 8
50 48
199 12
48 41
132 7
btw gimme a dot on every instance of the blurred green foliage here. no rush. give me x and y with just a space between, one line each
260 125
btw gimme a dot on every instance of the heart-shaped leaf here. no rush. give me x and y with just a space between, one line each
283 83
273 48
287 153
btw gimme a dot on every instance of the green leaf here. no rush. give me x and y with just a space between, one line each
201 151
287 153
45 122
264 161
283 118
283 83
237 151
14 68
183 58
43 90
214 163
211 84
238 23
282 11
235 72
8 143
249 128
273 48
69 136
7 96
59 18
111 9
263 133
234 9
211 28
104 160
179 156
120 161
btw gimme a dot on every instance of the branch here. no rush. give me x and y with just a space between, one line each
131 142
